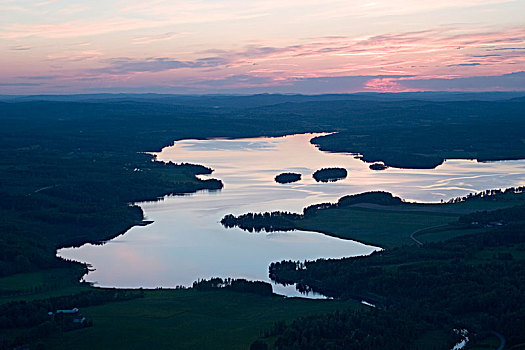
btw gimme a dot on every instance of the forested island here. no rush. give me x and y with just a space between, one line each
329 174
377 166
285 178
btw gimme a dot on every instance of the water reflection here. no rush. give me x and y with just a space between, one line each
187 242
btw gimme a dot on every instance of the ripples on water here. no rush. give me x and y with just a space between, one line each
186 241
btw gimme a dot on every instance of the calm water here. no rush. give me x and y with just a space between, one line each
186 241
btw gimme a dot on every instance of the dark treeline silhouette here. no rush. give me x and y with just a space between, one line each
372 197
475 282
285 178
491 194
284 221
494 217
329 174
353 330
234 285
268 222
377 166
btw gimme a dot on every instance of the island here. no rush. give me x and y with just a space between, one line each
378 166
330 174
285 178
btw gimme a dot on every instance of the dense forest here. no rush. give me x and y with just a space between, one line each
427 146
69 200
474 282
355 330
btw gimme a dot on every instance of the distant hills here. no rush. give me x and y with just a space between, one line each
269 99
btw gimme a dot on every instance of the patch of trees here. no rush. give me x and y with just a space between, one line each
442 285
374 197
377 166
234 285
499 216
285 178
268 222
350 329
195 169
329 174
508 194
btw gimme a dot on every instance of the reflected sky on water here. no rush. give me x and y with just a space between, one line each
186 241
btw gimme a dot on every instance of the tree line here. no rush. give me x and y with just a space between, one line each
235 285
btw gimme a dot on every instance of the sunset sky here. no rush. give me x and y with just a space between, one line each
287 46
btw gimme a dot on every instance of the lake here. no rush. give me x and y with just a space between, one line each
186 242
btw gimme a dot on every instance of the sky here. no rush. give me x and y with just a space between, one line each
255 46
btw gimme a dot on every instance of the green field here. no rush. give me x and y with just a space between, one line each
374 221
378 226
41 284
187 319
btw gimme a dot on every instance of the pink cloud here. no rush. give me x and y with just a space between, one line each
386 85
77 28
156 37
75 56
426 53
385 62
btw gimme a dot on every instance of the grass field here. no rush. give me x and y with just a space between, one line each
490 343
392 225
383 227
41 284
187 319
174 319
